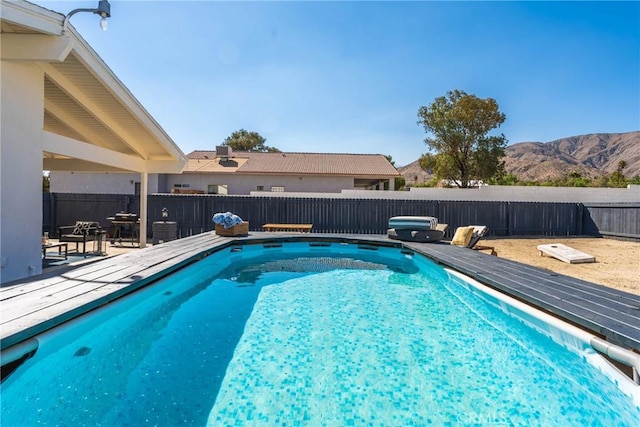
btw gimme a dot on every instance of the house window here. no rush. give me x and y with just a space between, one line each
277 189
180 185
260 188
217 189
136 189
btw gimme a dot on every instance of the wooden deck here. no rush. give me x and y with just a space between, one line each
30 308
35 306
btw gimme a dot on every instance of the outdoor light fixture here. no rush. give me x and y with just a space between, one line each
104 10
165 214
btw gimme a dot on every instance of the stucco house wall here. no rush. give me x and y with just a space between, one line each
62 109
124 183
22 103
245 184
102 182
120 183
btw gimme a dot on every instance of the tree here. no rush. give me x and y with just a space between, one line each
617 178
574 179
242 140
462 149
506 179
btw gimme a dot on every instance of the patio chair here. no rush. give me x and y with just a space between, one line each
442 227
82 232
468 237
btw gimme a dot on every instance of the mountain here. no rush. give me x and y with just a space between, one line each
592 155
413 174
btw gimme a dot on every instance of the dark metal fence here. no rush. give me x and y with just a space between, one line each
614 220
359 216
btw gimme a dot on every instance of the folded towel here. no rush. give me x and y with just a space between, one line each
218 218
227 219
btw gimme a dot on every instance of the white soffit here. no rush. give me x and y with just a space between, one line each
84 100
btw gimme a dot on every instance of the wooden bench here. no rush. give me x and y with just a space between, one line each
303 228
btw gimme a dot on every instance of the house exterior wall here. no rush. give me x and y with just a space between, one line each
124 183
101 183
162 184
22 104
245 184
116 183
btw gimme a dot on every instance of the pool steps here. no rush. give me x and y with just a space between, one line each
16 355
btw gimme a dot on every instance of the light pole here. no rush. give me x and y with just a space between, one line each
103 9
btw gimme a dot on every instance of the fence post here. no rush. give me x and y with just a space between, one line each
53 214
580 219
203 210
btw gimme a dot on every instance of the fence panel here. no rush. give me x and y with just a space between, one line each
193 213
544 219
184 210
69 208
616 220
495 215
48 220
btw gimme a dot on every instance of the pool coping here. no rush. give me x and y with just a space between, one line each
32 307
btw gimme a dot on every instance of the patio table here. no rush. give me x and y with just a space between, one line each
63 250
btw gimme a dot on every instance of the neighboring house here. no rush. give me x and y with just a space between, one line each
63 109
226 172
244 172
80 182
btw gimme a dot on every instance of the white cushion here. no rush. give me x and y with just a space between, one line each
413 222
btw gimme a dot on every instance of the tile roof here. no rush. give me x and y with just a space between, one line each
204 165
293 163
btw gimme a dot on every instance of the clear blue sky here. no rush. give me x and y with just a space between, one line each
349 77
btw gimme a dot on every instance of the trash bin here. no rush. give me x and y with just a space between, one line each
164 231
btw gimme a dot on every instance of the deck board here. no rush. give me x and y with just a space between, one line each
32 307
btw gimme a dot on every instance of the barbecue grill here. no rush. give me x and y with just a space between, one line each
125 228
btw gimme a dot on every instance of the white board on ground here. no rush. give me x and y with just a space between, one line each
565 253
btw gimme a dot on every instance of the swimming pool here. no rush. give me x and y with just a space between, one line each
315 334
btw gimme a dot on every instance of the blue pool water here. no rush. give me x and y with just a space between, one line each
309 335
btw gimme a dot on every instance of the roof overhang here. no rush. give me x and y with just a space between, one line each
92 122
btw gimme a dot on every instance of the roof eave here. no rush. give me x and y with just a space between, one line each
44 21
107 77
33 17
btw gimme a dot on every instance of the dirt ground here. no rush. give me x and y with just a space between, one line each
617 262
